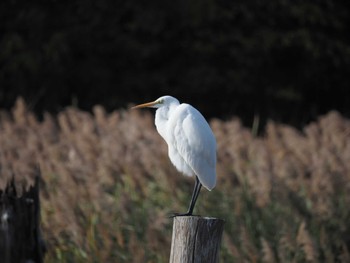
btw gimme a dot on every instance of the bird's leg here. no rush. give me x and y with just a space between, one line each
196 190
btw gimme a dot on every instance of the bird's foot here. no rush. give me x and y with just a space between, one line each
181 214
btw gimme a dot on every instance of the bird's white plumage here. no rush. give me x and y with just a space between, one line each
191 142
192 147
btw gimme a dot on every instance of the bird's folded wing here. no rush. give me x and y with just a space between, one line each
196 144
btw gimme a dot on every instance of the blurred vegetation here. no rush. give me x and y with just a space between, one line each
286 60
108 186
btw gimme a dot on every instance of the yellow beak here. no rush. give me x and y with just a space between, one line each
144 105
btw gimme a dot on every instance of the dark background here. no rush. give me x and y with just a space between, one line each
288 60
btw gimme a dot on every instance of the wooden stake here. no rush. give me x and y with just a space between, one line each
196 239
20 236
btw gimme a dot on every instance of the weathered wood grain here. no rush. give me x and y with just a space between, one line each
196 239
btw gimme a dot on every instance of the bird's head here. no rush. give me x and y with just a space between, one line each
162 101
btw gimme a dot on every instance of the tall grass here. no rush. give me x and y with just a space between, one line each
108 186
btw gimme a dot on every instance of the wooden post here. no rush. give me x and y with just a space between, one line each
20 237
196 239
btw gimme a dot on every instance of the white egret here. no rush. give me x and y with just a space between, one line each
191 142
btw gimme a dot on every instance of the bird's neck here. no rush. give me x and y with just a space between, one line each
162 117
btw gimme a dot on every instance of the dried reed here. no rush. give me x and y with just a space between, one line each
108 186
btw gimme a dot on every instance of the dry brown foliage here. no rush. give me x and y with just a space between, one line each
108 185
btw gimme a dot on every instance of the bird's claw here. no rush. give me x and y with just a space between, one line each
181 214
